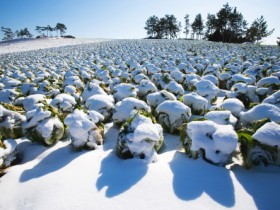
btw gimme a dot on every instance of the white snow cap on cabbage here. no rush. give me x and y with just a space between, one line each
268 134
8 154
174 109
10 146
81 127
124 90
234 105
101 103
92 89
144 129
218 141
221 117
8 118
195 101
206 89
268 81
273 99
64 101
261 111
33 102
123 108
154 99
35 116
175 88
145 87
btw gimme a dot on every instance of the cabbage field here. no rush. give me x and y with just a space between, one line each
219 103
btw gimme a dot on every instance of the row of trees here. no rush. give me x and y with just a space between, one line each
60 27
9 34
227 25
24 33
165 27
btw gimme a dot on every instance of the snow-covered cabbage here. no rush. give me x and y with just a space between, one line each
85 130
8 152
140 137
172 114
11 122
90 89
155 99
273 99
8 95
221 117
260 143
124 90
207 89
259 112
64 102
175 88
209 140
104 104
145 87
43 126
123 109
234 105
33 102
197 103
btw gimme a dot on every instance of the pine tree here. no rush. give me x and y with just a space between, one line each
258 30
187 25
8 34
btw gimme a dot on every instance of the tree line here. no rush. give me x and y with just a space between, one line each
44 31
227 25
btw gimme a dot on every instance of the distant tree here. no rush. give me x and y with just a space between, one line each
61 28
228 25
8 33
210 24
197 26
40 30
180 29
187 25
258 30
151 26
23 33
165 27
171 26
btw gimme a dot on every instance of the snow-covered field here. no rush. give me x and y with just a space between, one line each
95 88
35 44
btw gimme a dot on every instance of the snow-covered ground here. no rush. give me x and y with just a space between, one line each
34 44
58 177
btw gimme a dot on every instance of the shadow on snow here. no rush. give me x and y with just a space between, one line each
51 163
120 175
192 178
257 183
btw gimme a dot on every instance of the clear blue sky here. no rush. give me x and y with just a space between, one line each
124 18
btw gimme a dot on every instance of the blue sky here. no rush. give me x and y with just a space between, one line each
123 18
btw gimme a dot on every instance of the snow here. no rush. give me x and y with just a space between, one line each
58 177
175 110
154 99
34 117
268 134
221 117
123 108
35 44
64 101
195 101
212 137
259 112
81 128
234 105
141 139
